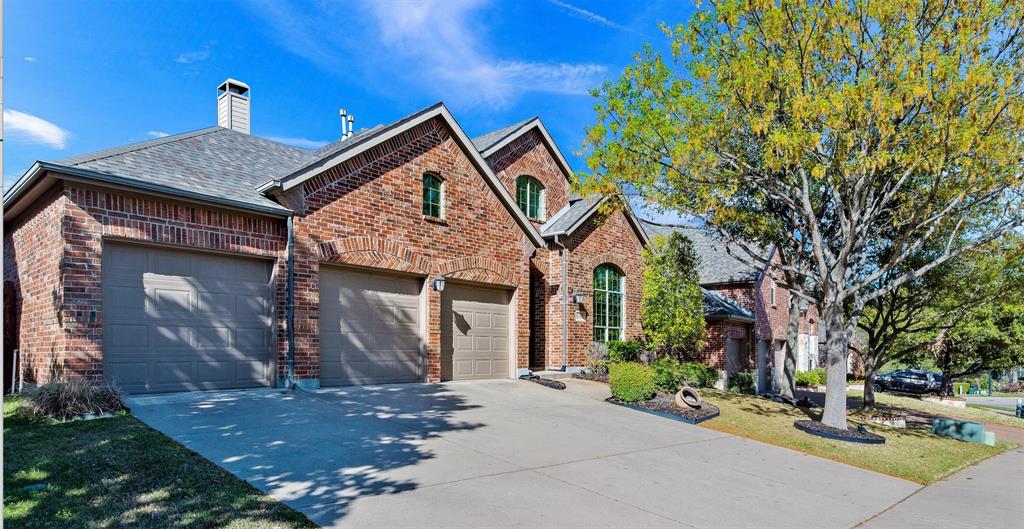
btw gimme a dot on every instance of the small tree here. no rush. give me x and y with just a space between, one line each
673 303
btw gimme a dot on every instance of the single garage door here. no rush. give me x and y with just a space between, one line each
474 332
369 328
178 320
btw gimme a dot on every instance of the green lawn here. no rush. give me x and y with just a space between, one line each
989 407
118 472
912 453
913 403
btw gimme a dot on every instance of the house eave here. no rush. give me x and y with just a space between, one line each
42 174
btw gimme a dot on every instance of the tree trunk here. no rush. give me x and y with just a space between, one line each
869 380
788 388
838 350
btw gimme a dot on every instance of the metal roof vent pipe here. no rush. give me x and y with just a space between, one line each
233 105
348 124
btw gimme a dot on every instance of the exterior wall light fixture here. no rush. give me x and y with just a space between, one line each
438 284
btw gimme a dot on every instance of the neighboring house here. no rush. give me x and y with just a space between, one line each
401 253
746 312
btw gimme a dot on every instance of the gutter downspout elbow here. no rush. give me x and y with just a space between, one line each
290 307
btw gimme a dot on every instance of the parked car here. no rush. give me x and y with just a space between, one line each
909 381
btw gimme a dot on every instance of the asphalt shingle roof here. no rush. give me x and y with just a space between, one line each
560 223
717 304
717 266
215 162
486 141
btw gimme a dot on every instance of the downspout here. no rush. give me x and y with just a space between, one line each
565 303
290 307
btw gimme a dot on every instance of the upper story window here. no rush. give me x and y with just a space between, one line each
771 292
608 313
530 197
433 196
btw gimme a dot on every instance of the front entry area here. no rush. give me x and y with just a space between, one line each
369 327
474 332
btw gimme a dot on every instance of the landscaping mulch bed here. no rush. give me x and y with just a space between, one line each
828 432
593 377
664 405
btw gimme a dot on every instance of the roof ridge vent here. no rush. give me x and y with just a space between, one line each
233 105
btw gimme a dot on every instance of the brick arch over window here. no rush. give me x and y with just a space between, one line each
371 251
479 269
608 258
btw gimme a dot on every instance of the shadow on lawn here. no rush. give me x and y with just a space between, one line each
117 472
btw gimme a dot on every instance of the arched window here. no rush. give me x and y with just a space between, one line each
530 197
607 303
432 195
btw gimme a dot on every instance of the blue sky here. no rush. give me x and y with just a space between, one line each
83 76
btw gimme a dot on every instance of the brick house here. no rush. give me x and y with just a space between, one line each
746 312
403 252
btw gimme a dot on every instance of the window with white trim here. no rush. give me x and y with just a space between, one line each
530 197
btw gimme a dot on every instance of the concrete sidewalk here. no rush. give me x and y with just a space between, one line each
987 495
510 454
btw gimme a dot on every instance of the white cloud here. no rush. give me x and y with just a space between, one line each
190 57
439 45
304 143
588 15
30 58
32 129
157 134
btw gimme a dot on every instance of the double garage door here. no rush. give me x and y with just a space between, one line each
370 329
177 320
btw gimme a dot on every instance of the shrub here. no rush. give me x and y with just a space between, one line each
822 374
668 373
625 351
597 358
66 399
631 382
699 375
807 378
742 382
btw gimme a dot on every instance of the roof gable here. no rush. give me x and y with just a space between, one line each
575 215
336 154
493 141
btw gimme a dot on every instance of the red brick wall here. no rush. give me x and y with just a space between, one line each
528 155
601 240
368 212
33 248
715 348
85 218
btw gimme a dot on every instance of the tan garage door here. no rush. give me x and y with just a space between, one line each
369 328
474 333
178 320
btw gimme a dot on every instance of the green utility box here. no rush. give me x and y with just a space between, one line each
972 432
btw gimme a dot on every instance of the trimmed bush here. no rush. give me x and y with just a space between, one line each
631 382
699 375
742 382
625 351
807 378
67 399
822 375
668 374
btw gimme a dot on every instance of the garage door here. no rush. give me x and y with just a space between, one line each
177 320
474 333
369 328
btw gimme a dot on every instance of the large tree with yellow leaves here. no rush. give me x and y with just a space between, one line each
828 130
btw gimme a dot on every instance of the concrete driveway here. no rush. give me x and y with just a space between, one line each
507 454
